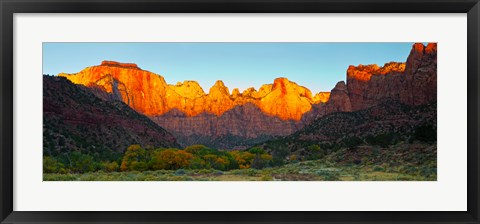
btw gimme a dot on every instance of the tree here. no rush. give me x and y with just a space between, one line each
111 166
242 158
51 165
222 163
279 151
81 163
182 159
210 160
257 150
195 149
171 159
197 163
352 141
315 152
261 161
425 133
133 155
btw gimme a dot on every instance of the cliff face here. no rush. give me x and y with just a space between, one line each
421 72
149 94
142 90
413 82
276 109
242 125
339 99
197 117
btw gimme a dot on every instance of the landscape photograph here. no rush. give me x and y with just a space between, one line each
235 111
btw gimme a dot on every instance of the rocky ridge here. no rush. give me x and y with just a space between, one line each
276 109
149 94
75 119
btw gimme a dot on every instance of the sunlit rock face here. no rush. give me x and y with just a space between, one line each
286 100
275 109
196 116
149 94
412 83
142 90
321 97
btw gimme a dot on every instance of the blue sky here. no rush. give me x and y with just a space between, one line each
317 66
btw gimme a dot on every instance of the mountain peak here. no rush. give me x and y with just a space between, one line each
235 93
219 88
418 47
341 86
119 64
431 48
321 97
189 89
219 83
280 81
365 72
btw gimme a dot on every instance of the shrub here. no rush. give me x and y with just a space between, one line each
179 172
133 155
329 175
111 166
261 161
314 152
352 141
425 133
257 150
197 163
383 140
242 159
266 178
81 163
378 169
195 149
293 158
138 166
279 151
51 165
171 159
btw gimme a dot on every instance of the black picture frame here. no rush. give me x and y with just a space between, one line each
9 7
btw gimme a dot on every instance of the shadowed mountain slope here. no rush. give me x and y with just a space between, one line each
75 119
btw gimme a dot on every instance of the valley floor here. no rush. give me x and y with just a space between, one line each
316 170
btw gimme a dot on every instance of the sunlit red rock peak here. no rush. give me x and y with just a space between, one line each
365 72
118 64
149 94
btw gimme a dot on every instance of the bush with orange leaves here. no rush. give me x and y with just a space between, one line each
135 158
243 159
170 159
193 157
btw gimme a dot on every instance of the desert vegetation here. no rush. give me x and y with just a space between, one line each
399 161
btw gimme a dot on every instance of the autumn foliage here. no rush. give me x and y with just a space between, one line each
137 158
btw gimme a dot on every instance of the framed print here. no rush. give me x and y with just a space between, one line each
246 111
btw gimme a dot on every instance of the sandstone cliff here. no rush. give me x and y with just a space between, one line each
276 109
413 82
148 93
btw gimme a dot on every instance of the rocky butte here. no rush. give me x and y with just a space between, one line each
412 83
224 119
148 93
